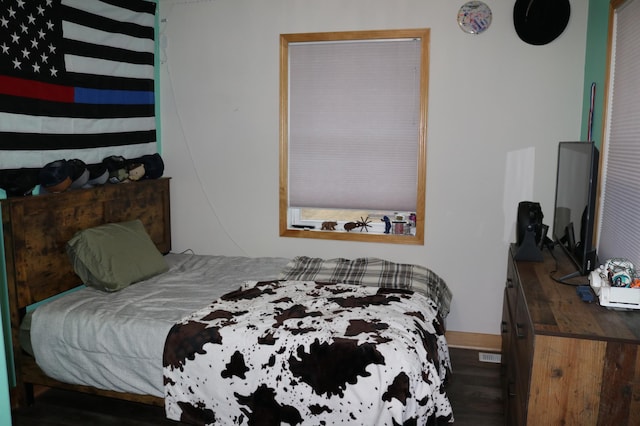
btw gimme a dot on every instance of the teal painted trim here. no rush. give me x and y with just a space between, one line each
595 68
6 355
5 397
33 306
156 68
5 318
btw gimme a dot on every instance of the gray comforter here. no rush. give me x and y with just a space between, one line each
115 340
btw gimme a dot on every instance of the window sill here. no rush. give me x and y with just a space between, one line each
417 239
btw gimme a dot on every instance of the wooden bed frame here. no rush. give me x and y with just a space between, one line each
36 230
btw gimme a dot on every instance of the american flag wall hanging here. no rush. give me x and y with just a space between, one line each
76 80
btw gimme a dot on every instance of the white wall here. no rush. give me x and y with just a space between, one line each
497 108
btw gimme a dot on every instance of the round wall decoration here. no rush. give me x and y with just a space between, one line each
474 17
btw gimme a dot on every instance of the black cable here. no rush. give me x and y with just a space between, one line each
555 269
568 283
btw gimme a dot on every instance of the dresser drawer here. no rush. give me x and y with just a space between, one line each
511 289
517 347
523 336
510 389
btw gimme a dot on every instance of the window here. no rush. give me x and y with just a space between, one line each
353 109
619 232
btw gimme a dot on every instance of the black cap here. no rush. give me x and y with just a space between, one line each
540 22
98 174
153 165
18 182
55 176
79 173
114 162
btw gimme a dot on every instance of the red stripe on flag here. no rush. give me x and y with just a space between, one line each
34 89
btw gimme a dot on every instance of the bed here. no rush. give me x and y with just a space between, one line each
219 339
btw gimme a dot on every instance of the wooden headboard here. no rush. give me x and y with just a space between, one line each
36 230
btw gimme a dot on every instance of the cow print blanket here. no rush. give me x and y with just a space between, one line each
308 353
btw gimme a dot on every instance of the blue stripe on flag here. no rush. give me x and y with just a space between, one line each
123 97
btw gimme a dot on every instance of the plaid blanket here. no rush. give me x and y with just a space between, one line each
370 271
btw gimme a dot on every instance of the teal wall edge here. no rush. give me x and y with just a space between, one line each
595 69
7 375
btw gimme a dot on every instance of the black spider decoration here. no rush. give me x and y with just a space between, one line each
363 224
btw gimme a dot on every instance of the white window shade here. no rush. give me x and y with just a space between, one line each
619 234
354 114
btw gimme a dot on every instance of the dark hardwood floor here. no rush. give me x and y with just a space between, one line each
474 391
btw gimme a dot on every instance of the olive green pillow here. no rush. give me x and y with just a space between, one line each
113 256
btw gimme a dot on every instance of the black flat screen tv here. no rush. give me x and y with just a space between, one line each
575 204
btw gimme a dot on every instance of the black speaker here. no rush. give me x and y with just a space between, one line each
529 232
529 215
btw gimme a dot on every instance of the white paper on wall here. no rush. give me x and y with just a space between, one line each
518 186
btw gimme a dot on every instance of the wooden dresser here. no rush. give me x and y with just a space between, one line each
565 362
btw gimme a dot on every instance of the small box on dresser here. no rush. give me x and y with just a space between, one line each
565 362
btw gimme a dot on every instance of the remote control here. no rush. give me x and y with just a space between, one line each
585 293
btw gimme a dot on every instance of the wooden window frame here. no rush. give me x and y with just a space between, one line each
285 230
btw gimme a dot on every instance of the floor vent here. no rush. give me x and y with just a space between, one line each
490 357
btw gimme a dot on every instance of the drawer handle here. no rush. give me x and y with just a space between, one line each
510 390
509 283
520 331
